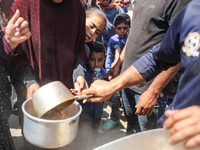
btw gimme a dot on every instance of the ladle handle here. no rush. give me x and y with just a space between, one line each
82 97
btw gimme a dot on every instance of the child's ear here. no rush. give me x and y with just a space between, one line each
114 27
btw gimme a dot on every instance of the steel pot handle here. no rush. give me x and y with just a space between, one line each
82 97
72 122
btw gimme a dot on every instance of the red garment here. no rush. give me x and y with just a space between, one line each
127 2
3 28
58 36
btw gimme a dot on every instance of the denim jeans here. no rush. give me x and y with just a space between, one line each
115 99
141 123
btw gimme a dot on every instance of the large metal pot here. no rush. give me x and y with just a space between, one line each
156 139
50 133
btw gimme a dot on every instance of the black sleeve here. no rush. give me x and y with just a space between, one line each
26 76
79 69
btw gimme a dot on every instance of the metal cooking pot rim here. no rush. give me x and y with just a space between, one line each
49 121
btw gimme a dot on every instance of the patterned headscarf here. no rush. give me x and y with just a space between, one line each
58 36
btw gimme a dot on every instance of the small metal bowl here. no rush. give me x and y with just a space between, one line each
54 95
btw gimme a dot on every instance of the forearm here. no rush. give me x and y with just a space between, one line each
123 53
163 79
117 54
129 77
123 47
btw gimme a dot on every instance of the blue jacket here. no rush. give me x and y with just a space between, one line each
181 43
92 110
114 42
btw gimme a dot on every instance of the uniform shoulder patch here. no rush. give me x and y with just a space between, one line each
116 46
192 44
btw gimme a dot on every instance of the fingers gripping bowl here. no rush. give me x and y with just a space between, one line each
53 96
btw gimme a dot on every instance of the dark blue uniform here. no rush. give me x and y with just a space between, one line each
181 43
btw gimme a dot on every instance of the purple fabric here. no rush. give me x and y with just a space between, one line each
6 55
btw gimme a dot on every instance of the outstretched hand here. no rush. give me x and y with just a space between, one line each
17 31
100 89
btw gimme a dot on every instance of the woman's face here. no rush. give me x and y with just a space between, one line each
57 1
94 26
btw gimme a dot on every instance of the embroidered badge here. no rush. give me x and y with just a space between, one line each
192 44
116 46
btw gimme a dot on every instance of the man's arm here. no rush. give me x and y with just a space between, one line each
163 56
103 90
148 99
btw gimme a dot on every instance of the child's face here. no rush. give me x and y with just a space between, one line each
119 3
94 26
104 2
96 60
121 29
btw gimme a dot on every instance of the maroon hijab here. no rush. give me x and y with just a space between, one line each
58 37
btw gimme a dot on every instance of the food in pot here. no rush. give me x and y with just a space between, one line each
55 115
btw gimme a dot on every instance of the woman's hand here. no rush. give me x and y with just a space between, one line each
32 89
17 31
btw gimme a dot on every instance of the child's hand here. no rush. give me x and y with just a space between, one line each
17 31
76 90
79 85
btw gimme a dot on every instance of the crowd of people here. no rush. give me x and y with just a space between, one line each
138 57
